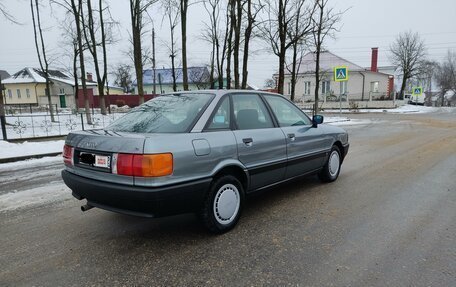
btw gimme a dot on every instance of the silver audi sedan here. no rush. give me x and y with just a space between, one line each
201 152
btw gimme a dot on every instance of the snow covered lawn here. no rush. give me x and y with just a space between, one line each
8 149
405 109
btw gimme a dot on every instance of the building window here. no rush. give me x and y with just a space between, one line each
289 88
374 87
325 87
10 94
306 88
62 91
27 92
18 92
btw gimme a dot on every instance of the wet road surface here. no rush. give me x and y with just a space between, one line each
389 220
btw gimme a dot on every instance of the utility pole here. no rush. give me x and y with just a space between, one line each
153 59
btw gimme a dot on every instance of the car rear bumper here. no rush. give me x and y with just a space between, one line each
139 201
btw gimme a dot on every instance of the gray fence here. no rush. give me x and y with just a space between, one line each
40 125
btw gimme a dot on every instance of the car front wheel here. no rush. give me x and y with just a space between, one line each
223 204
331 170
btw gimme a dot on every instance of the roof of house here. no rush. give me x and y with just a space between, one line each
195 75
34 75
4 75
327 63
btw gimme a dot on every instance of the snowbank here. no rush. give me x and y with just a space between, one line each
8 150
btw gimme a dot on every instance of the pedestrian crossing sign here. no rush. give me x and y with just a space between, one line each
341 74
417 91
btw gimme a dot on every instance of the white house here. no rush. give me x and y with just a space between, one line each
363 84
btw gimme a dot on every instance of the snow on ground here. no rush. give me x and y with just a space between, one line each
405 109
8 149
35 162
55 191
345 121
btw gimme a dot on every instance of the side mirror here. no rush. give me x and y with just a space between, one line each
316 120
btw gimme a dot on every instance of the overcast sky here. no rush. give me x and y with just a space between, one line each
366 24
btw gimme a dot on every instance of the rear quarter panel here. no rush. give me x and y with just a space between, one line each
195 155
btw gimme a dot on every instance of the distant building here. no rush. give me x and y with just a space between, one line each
28 86
198 79
363 84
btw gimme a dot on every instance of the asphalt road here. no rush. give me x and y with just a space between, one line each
389 220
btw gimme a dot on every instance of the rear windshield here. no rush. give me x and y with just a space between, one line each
164 114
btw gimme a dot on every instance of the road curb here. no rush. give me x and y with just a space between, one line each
19 158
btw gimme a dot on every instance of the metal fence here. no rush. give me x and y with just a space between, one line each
40 125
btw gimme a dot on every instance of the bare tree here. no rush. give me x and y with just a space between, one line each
407 53
96 35
137 8
270 83
199 77
75 9
299 37
41 51
172 13
211 34
7 15
252 11
324 24
122 76
230 11
446 75
275 31
183 13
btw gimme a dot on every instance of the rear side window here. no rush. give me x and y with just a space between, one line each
286 113
221 118
250 112
164 114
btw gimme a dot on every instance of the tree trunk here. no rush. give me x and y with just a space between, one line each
294 71
404 82
184 7
230 44
237 20
105 59
44 65
136 22
282 50
247 35
77 12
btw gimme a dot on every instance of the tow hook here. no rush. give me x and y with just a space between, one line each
86 207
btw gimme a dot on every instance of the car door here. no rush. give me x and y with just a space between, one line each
261 145
306 145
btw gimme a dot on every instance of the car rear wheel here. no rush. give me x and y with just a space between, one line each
331 170
223 204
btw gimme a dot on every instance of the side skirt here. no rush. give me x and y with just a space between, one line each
315 171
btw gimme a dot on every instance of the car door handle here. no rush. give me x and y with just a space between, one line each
247 141
292 137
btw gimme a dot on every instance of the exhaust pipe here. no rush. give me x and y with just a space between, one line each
86 207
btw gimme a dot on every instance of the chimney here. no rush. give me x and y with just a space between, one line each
374 60
89 77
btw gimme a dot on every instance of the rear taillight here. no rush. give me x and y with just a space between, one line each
68 152
144 165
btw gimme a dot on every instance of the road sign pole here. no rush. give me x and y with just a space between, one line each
340 99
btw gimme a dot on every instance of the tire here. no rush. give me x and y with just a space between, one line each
331 169
223 204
